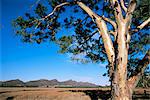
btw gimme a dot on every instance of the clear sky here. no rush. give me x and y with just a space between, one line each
31 61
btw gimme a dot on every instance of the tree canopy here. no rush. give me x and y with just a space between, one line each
51 19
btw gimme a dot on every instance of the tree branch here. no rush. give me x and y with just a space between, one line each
146 22
123 5
128 18
110 21
114 33
58 6
130 10
139 71
131 6
103 30
88 10
106 39
90 36
117 11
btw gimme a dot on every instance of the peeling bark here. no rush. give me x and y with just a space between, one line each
120 76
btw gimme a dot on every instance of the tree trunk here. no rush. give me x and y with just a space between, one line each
121 91
122 87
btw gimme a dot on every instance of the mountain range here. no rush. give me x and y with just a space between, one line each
45 83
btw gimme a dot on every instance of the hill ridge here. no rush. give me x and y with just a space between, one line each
45 83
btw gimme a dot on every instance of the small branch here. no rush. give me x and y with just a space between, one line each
132 6
130 10
129 14
114 33
35 3
89 37
144 24
123 5
58 6
110 21
139 71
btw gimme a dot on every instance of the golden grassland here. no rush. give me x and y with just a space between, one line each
52 93
41 94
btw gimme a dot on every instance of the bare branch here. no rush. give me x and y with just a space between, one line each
108 45
114 33
123 5
89 37
144 24
58 6
110 21
137 74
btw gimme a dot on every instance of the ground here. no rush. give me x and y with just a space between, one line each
64 94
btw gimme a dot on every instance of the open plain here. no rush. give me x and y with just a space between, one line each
65 94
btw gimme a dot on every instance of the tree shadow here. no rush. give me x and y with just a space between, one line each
144 96
96 94
10 98
106 94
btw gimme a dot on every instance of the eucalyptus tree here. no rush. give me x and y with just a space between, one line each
112 31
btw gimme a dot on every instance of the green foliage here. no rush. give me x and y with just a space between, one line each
64 43
83 38
40 10
142 11
144 81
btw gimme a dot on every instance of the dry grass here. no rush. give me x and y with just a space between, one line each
40 94
54 93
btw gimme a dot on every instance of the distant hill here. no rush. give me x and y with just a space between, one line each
12 83
42 83
45 83
78 84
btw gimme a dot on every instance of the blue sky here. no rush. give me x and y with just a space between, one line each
31 61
